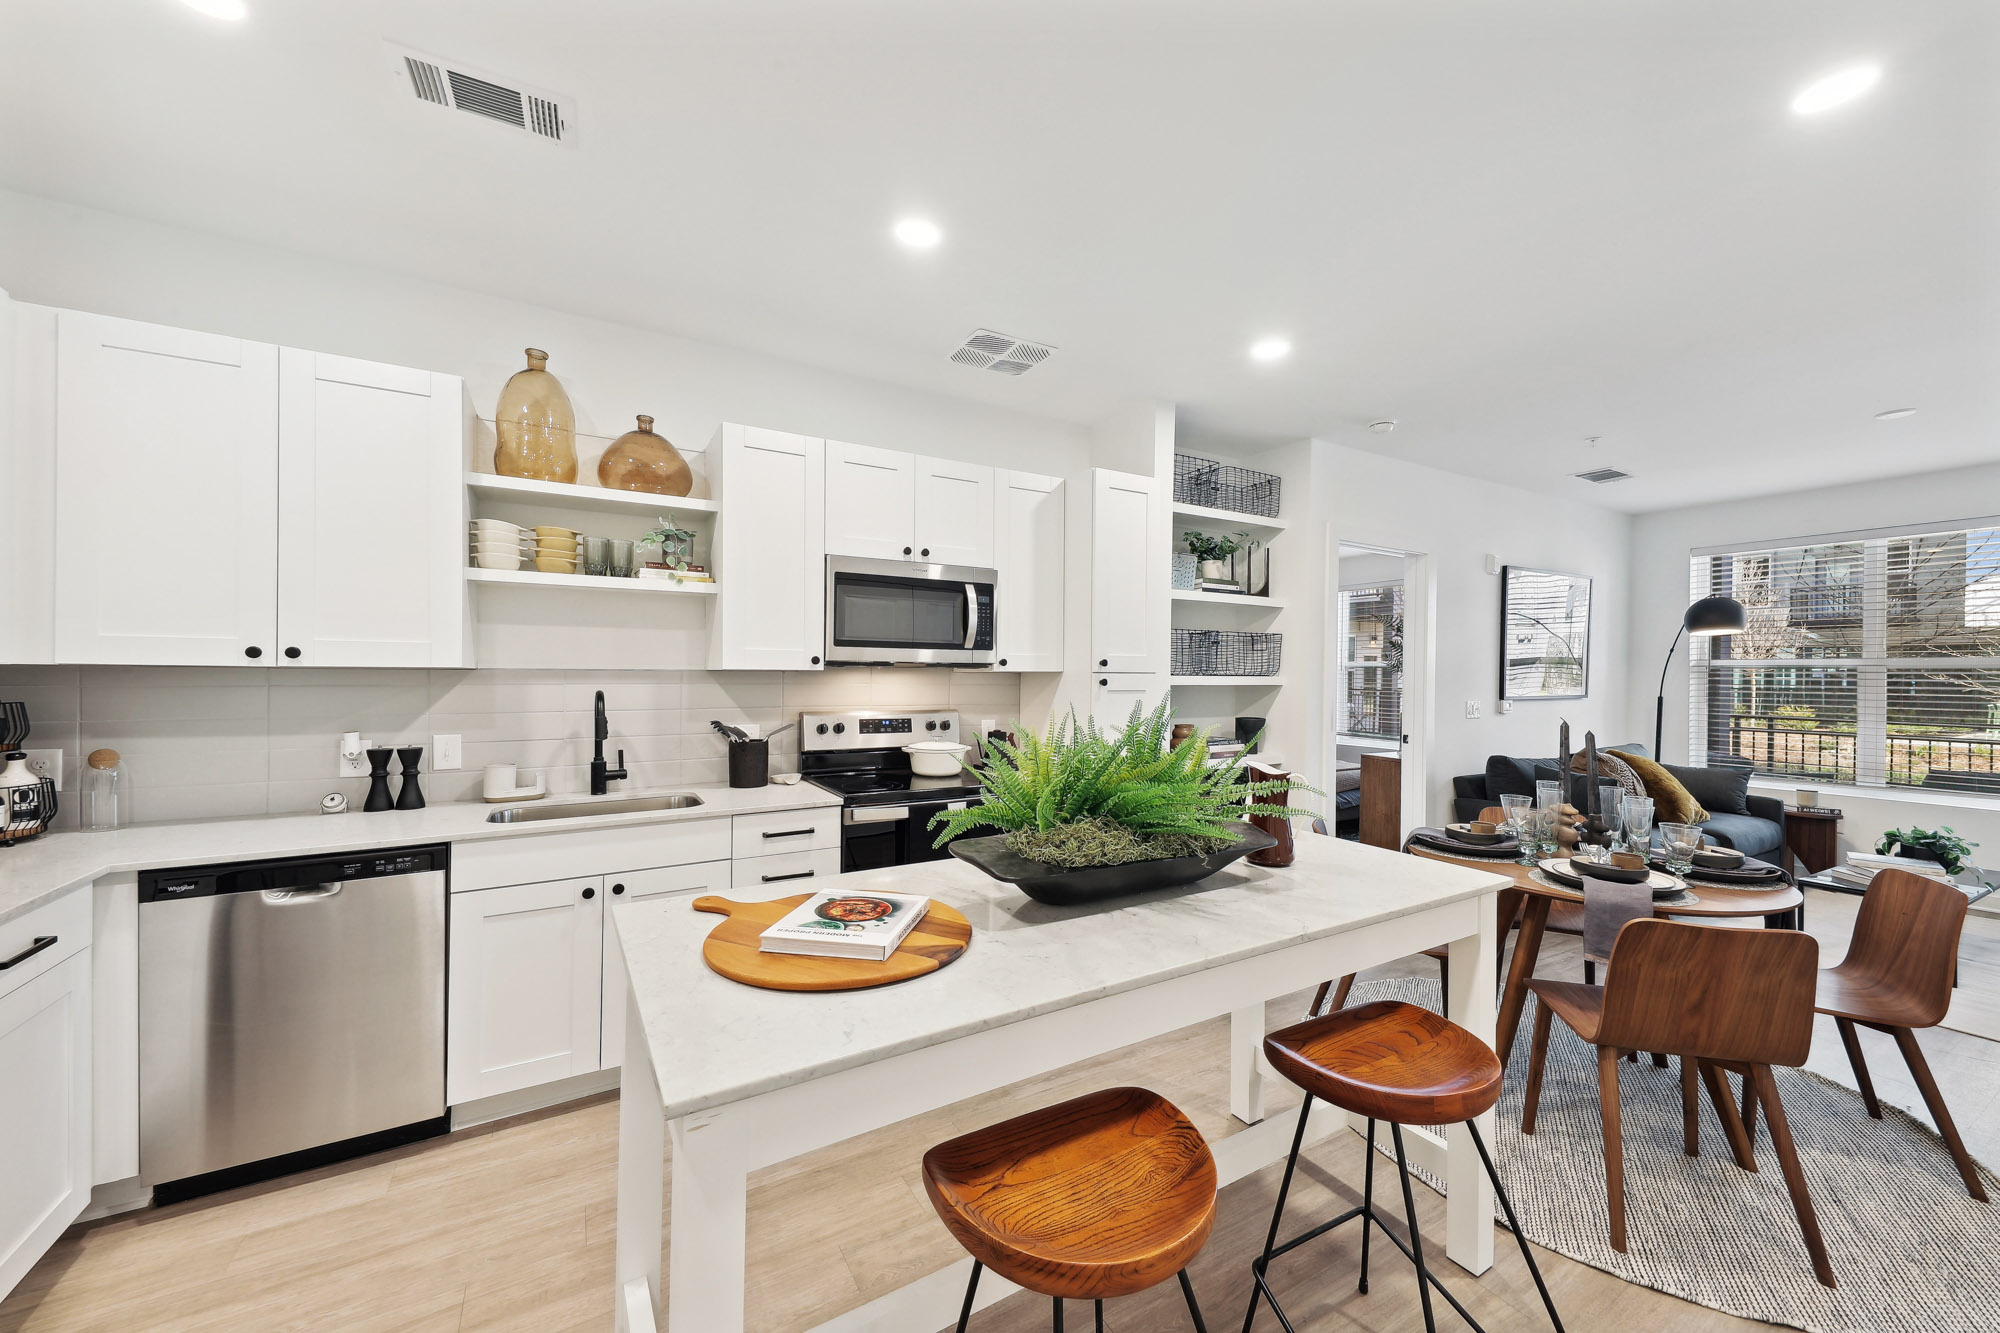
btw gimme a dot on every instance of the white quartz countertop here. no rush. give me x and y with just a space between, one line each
32 873
715 1041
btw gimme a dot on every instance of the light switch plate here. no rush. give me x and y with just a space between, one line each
46 764
446 753
1472 708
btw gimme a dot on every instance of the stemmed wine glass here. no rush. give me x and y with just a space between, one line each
1518 812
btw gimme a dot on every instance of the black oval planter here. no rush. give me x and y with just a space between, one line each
1068 888
1918 854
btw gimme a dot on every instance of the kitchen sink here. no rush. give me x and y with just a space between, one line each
629 805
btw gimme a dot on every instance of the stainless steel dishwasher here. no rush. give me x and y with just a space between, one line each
290 1013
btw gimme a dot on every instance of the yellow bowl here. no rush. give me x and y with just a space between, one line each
569 533
550 564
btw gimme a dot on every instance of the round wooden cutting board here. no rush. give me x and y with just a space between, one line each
731 949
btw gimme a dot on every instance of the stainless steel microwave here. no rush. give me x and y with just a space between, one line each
907 613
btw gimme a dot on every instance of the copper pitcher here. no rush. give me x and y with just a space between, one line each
1278 826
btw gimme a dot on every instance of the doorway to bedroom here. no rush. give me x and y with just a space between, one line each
1380 691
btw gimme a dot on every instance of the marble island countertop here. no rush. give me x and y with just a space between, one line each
714 1041
33 873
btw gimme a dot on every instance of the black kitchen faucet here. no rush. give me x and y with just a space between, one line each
602 774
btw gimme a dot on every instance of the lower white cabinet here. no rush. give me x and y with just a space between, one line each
635 886
787 872
45 1108
526 986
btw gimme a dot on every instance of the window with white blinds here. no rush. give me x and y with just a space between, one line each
1870 659
1371 661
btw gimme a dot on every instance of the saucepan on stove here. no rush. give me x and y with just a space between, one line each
935 759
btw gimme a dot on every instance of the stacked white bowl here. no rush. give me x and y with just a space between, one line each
498 544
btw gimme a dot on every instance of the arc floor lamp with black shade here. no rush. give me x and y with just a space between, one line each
1706 619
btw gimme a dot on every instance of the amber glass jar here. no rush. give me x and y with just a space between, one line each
639 460
536 425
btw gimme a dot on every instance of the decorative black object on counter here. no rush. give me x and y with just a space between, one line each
378 781
411 797
1068 888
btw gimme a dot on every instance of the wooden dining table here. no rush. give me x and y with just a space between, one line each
1532 898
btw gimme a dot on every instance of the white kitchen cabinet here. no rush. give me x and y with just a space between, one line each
871 502
632 886
166 495
954 513
371 514
786 872
1114 695
45 1105
525 990
1128 574
27 481
770 550
1028 555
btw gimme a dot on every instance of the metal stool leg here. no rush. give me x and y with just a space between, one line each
1059 1327
1514 1225
1278 1213
1367 1204
1194 1308
970 1288
1416 1242
1099 1310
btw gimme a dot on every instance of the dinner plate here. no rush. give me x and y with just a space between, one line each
1557 869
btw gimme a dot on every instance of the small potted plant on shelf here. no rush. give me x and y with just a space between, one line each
671 549
1943 846
1212 553
1086 814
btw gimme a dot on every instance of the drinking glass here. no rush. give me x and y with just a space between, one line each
1607 810
1535 825
1516 809
1637 814
1678 844
1548 794
596 555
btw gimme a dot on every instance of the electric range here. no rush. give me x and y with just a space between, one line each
885 808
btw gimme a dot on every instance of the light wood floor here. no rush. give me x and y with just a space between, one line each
510 1227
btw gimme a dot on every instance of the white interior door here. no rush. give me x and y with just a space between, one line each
526 968
45 1126
954 513
635 886
371 514
1128 575
870 498
770 552
1028 554
166 495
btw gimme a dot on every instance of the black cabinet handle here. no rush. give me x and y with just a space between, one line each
292 653
790 833
1103 661
589 894
906 550
618 888
253 651
800 874
927 550
815 661
1003 661
1103 682
41 942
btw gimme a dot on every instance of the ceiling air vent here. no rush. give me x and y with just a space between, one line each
987 350
483 93
1601 475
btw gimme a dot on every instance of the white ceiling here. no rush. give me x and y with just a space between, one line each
1508 225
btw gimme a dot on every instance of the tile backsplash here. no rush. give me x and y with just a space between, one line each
214 742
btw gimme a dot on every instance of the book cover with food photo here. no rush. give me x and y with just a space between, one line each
846 925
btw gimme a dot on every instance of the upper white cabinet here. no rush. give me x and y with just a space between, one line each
371 514
524 992
1128 577
886 505
221 502
770 550
871 497
954 515
166 495
1028 555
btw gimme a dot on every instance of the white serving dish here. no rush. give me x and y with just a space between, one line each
935 759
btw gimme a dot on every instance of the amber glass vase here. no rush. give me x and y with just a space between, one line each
536 425
639 460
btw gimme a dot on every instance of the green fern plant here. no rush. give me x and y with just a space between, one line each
1082 796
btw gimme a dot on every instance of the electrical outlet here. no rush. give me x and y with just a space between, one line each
1472 708
445 754
352 761
46 764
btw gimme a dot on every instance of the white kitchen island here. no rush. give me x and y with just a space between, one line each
738 1078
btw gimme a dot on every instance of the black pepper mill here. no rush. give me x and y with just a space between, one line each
411 797
378 781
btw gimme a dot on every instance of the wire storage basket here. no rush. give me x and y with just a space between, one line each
1217 485
1192 652
1246 653
29 810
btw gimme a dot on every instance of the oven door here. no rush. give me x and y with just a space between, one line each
902 613
874 836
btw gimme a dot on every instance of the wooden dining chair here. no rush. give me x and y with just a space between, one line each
1896 978
1736 1000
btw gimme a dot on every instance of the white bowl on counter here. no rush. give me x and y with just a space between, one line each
935 759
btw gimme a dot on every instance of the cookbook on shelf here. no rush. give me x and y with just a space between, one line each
846 925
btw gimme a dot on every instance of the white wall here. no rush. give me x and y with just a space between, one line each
1661 544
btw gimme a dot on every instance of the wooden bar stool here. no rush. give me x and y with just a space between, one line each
1398 1062
1091 1199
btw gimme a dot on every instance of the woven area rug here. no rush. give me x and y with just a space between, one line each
1912 1251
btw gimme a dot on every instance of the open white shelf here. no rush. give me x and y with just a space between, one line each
1228 599
535 578
1226 519
584 497
1248 682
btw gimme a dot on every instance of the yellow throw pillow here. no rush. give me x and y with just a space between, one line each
1672 803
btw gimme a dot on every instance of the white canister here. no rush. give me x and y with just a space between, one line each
21 793
1808 798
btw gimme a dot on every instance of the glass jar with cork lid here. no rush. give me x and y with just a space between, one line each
102 791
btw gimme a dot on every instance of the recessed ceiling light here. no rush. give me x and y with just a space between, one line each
1842 86
219 9
918 233
1270 349
1896 414
1382 427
